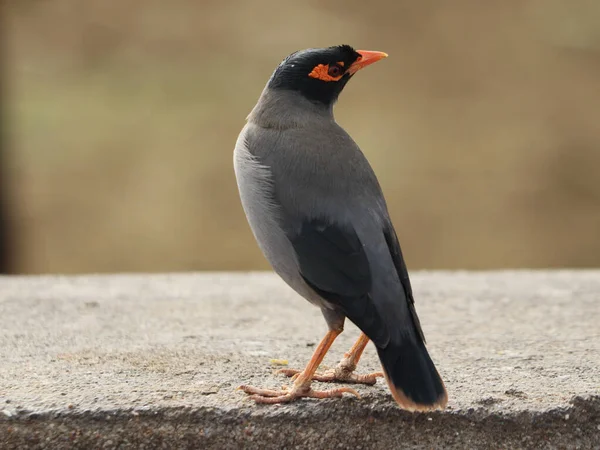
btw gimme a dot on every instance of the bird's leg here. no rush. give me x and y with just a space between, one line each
344 372
302 383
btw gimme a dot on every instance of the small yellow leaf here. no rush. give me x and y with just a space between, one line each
279 362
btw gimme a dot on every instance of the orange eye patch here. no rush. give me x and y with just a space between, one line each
325 72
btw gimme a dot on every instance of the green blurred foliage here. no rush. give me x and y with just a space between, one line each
483 126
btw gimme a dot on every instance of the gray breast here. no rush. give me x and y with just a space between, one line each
255 184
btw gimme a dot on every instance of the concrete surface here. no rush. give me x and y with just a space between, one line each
153 362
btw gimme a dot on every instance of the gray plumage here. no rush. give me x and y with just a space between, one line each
294 163
319 216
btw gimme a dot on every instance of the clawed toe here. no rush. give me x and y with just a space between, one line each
254 391
369 379
338 375
268 396
344 373
292 373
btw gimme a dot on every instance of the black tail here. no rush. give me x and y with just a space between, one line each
412 377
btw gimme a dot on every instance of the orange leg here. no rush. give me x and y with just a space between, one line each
302 383
344 372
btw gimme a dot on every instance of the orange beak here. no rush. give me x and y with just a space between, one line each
366 58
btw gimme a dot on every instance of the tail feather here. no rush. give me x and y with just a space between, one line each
412 377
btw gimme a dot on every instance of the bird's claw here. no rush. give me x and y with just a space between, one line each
292 373
337 375
287 395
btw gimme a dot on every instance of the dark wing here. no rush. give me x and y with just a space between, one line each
333 263
396 252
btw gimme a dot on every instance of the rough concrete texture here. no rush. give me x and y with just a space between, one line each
153 362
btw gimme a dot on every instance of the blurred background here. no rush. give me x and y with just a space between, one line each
119 119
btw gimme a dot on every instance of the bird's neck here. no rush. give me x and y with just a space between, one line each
283 109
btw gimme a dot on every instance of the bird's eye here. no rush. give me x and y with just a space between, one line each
334 70
326 72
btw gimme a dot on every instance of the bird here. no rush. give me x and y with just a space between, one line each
318 213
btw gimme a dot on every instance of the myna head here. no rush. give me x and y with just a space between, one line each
321 74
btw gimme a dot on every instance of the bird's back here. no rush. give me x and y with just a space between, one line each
317 172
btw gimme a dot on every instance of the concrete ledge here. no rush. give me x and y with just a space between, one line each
153 361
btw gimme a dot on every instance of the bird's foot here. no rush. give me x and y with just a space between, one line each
343 373
287 395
